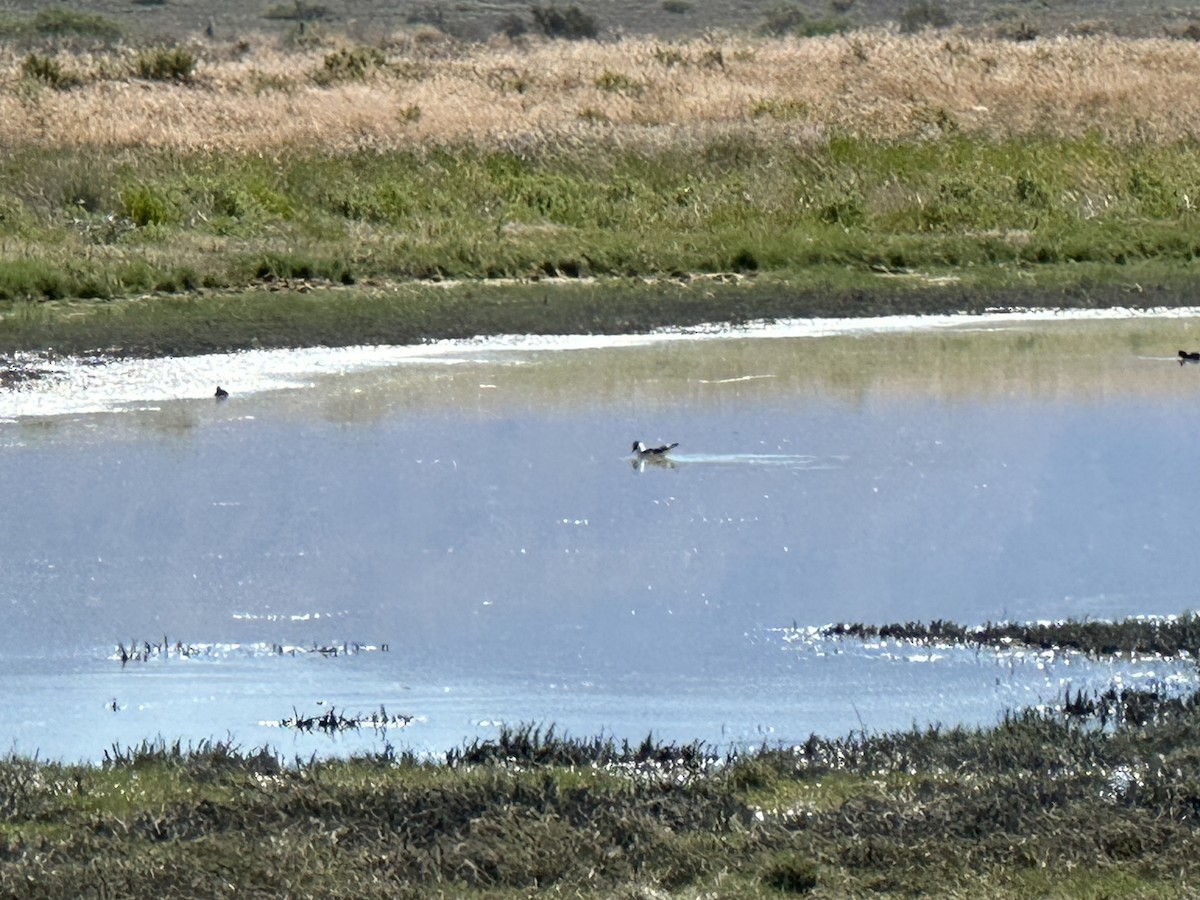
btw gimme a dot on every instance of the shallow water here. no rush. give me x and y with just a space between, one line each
474 508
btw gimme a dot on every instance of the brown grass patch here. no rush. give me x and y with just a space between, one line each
868 83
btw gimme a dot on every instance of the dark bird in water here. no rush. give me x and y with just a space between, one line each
221 393
1185 357
641 451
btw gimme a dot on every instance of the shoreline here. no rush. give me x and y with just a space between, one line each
39 384
300 315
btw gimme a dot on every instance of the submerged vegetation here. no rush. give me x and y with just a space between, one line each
1140 638
150 651
332 722
1165 637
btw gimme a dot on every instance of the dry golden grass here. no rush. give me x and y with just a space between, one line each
873 84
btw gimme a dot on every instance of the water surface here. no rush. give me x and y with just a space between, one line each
474 508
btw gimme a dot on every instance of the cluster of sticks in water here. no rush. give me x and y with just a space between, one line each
145 651
334 722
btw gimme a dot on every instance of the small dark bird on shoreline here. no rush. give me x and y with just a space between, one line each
221 393
1185 357
641 451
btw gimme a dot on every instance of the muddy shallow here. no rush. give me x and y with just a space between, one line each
473 507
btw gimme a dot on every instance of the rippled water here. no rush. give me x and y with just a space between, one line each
469 515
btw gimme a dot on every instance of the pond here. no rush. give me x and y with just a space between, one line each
457 534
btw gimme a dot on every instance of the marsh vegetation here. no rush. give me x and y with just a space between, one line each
833 174
1043 803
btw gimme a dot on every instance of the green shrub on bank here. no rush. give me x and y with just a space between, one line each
147 205
349 64
788 18
165 64
14 218
49 71
570 23
58 24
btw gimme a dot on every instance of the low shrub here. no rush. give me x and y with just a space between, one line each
58 25
571 23
60 22
427 14
513 26
145 205
790 19
349 64
49 71
791 874
924 14
165 64
618 83
297 11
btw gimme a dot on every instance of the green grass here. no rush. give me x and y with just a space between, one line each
726 205
165 64
832 218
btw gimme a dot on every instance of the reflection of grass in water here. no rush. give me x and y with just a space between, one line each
1081 358
1058 359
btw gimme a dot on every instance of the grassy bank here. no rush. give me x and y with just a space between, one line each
82 223
218 182
1040 805
1059 802
228 250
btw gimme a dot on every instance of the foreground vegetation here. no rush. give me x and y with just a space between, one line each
258 196
1059 802
1039 805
